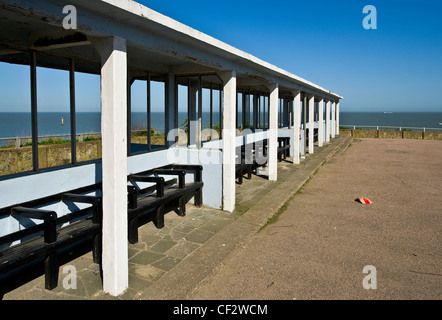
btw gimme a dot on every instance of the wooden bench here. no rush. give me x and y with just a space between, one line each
283 148
50 243
244 162
315 135
259 154
152 203
253 156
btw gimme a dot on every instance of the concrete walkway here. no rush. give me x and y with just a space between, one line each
318 247
315 248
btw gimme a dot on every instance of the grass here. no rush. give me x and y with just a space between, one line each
284 207
47 142
143 132
85 139
52 141
55 141
241 209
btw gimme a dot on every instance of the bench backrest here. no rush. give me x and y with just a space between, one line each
23 228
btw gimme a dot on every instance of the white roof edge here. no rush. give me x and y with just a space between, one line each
147 13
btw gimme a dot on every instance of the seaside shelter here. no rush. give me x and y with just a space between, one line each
127 46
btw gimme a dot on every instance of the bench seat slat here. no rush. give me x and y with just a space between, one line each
169 194
17 235
36 247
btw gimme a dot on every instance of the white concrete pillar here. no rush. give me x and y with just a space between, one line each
296 126
337 117
229 135
311 124
327 121
272 151
321 122
333 122
114 161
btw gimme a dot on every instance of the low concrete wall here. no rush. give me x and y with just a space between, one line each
392 134
13 160
389 134
362 133
412 134
155 139
433 136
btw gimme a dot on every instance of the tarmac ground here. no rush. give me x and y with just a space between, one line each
301 237
325 245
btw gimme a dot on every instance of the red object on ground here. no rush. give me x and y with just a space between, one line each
364 200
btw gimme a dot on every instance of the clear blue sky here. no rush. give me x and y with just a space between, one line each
397 67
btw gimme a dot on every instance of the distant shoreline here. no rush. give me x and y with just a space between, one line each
18 124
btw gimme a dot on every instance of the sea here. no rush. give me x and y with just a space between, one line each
17 124
431 121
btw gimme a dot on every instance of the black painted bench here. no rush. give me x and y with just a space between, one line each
283 148
253 156
152 203
315 135
43 247
244 162
47 245
259 154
